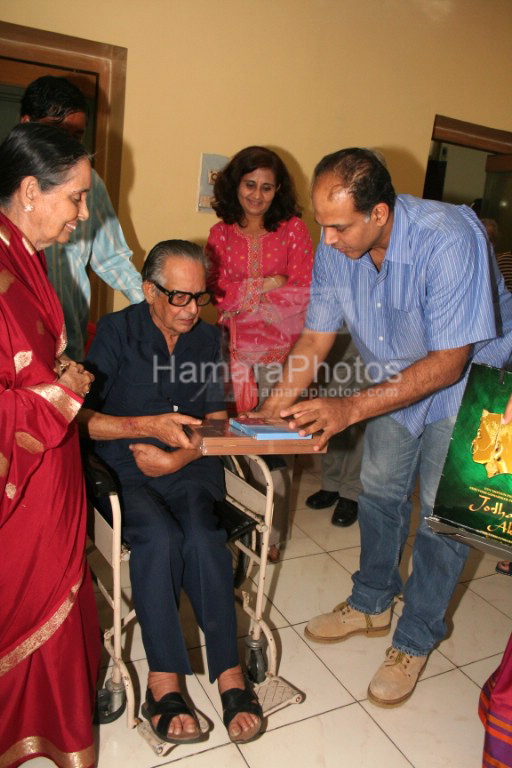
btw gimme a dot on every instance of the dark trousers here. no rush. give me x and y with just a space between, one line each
175 541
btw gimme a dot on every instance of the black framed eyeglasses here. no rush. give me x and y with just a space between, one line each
182 298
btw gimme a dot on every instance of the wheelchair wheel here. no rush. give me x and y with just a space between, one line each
255 662
103 712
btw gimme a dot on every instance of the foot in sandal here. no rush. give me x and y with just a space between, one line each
504 567
242 713
274 553
169 716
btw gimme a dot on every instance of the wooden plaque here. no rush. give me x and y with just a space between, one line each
219 439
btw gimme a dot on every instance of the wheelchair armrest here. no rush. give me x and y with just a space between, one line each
99 480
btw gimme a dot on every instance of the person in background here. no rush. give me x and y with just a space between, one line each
341 465
142 358
491 230
417 284
97 243
261 257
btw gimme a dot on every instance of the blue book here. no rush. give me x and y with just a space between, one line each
266 429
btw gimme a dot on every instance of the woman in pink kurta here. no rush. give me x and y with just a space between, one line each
261 260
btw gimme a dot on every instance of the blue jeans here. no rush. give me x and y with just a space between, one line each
392 459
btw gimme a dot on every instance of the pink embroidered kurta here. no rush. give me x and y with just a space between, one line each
262 325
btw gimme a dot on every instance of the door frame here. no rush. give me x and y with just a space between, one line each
108 64
471 135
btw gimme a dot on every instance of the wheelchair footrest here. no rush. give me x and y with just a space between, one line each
159 747
275 693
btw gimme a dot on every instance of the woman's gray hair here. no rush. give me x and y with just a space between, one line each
152 270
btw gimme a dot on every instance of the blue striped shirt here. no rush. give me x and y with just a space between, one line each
438 288
100 244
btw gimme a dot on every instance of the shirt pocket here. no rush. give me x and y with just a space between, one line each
136 395
407 325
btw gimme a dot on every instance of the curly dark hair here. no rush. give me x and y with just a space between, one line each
226 206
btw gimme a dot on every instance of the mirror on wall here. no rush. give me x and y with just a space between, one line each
472 164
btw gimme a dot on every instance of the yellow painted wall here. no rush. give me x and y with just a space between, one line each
305 77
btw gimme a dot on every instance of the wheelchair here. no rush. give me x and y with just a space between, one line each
246 513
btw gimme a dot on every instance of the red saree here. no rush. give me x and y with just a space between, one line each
495 710
49 635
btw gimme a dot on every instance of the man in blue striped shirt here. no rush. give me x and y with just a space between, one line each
417 285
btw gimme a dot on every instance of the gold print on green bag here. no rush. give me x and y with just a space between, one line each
492 445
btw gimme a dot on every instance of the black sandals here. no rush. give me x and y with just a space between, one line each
237 700
169 706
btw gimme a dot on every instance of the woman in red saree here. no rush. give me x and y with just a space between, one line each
49 636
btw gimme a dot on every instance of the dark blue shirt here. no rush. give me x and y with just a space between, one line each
136 376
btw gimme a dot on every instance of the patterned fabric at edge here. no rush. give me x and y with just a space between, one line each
495 710
262 326
49 643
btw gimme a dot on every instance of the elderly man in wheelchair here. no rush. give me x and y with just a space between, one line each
154 362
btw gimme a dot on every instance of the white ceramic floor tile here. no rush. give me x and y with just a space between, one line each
220 757
298 665
480 671
496 589
355 660
438 726
479 630
317 524
348 558
299 544
303 587
478 565
344 738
